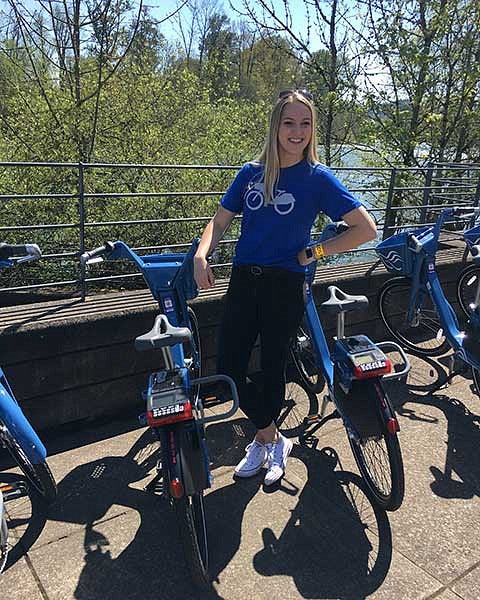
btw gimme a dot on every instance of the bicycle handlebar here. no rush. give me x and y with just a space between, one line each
465 212
415 243
431 234
20 252
89 256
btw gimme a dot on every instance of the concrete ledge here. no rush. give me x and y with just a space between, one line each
70 360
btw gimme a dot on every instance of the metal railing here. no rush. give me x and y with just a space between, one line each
68 207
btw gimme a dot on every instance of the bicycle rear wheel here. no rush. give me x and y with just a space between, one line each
298 404
468 283
193 533
476 380
424 337
39 474
304 358
193 350
379 457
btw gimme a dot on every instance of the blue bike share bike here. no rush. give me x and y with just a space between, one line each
413 306
16 433
177 395
468 280
352 369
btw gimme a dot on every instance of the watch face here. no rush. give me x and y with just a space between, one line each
309 253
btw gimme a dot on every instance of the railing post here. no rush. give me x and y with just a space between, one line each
477 190
81 215
389 214
427 190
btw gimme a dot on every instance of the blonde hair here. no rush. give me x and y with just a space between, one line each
268 156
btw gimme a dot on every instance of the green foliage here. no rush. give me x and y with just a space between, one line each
132 97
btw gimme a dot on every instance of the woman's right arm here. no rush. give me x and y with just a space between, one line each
212 234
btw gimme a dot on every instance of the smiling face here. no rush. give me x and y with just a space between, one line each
294 133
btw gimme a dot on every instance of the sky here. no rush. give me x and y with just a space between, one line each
161 8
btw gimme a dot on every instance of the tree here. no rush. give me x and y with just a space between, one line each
77 47
427 51
332 71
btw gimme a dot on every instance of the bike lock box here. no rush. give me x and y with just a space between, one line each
193 458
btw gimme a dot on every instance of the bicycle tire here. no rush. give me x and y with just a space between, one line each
379 458
298 404
427 337
4 543
304 359
467 285
193 534
193 349
38 474
476 380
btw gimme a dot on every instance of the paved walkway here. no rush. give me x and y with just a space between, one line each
315 536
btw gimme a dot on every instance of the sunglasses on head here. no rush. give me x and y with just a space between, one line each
304 92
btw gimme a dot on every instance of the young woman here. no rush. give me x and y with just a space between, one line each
279 196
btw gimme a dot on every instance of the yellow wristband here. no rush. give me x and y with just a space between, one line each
318 251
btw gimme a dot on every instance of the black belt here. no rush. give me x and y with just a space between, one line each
258 270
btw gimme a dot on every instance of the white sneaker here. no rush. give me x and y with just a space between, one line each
277 454
253 461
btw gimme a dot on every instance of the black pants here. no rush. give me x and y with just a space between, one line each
268 303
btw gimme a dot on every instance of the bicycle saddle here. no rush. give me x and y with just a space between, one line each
162 334
339 301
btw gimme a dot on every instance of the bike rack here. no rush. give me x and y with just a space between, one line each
406 363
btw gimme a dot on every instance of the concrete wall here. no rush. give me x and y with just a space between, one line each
69 362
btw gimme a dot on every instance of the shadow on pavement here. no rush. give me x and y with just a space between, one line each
459 477
335 544
26 518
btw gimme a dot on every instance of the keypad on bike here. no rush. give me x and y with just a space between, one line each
164 411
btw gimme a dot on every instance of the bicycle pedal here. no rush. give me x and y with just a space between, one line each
13 491
312 419
155 486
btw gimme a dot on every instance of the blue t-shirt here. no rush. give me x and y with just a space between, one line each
273 235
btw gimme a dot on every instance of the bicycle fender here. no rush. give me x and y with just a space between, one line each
16 422
193 464
184 457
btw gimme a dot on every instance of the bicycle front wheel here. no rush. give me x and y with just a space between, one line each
304 359
425 335
379 458
39 474
468 284
193 532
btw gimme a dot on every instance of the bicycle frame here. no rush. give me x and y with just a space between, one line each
327 361
170 279
425 281
12 416
10 412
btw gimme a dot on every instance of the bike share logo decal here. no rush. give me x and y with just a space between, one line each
283 202
471 241
168 304
393 260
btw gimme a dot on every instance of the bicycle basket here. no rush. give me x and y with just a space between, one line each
472 236
395 253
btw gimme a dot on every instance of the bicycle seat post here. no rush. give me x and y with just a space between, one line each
167 358
340 325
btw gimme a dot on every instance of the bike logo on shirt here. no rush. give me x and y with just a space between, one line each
283 202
